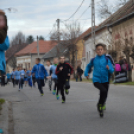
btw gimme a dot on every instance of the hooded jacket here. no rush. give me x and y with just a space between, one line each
39 71
3 47
63 74
100 72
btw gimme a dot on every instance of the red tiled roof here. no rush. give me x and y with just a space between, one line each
44 46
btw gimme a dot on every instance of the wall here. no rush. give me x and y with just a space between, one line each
24 61
120 32
103 37
33 57
80 45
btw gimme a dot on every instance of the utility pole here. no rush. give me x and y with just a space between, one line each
58 29
93 23
38 47
58 32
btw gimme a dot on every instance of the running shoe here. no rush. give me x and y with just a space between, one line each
58 97
67 91
104 107
42 94
63 101
54 92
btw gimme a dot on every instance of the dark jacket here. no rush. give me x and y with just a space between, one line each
63 75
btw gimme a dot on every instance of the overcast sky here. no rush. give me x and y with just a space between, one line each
36 17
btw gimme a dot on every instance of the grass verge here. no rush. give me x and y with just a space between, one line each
90 81
2 101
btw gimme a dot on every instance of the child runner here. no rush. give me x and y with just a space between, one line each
25 77
102 68
12 76
8 77
63 71
29 77
54 77
21 81
48 66
4 42
17 76
40 72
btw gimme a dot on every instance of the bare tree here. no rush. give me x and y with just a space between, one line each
68 39
17 43
19 38
105 9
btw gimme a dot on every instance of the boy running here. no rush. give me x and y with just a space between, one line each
29 77
21 81
54 77
17 76
48 66
63 71
25 77
102 68
12 76
40 72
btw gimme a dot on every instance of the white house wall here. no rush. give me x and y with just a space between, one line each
103 37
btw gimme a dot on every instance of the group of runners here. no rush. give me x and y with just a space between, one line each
59 73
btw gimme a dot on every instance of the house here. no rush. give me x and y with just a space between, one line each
56 51
81 48
123 30
103 31
26 57
10 58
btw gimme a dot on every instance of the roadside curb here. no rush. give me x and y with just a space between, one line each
4 118
120 85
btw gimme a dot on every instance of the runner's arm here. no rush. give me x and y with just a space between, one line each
111 69
33 70
45 72
57 71
71 69
88 67
5 45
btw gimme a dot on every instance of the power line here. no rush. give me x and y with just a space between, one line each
75 11
51 30
84 12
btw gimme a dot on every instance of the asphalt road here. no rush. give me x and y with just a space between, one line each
34 114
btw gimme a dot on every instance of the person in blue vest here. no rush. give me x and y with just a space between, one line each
102 68
4 42
8 76
54 77
21 81
17 76
40 73
29 77
12 77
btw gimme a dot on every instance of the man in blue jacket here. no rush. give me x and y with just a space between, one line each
102 68
4 41
40 72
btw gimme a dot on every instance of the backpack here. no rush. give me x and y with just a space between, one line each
124 67
117 67
92 60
